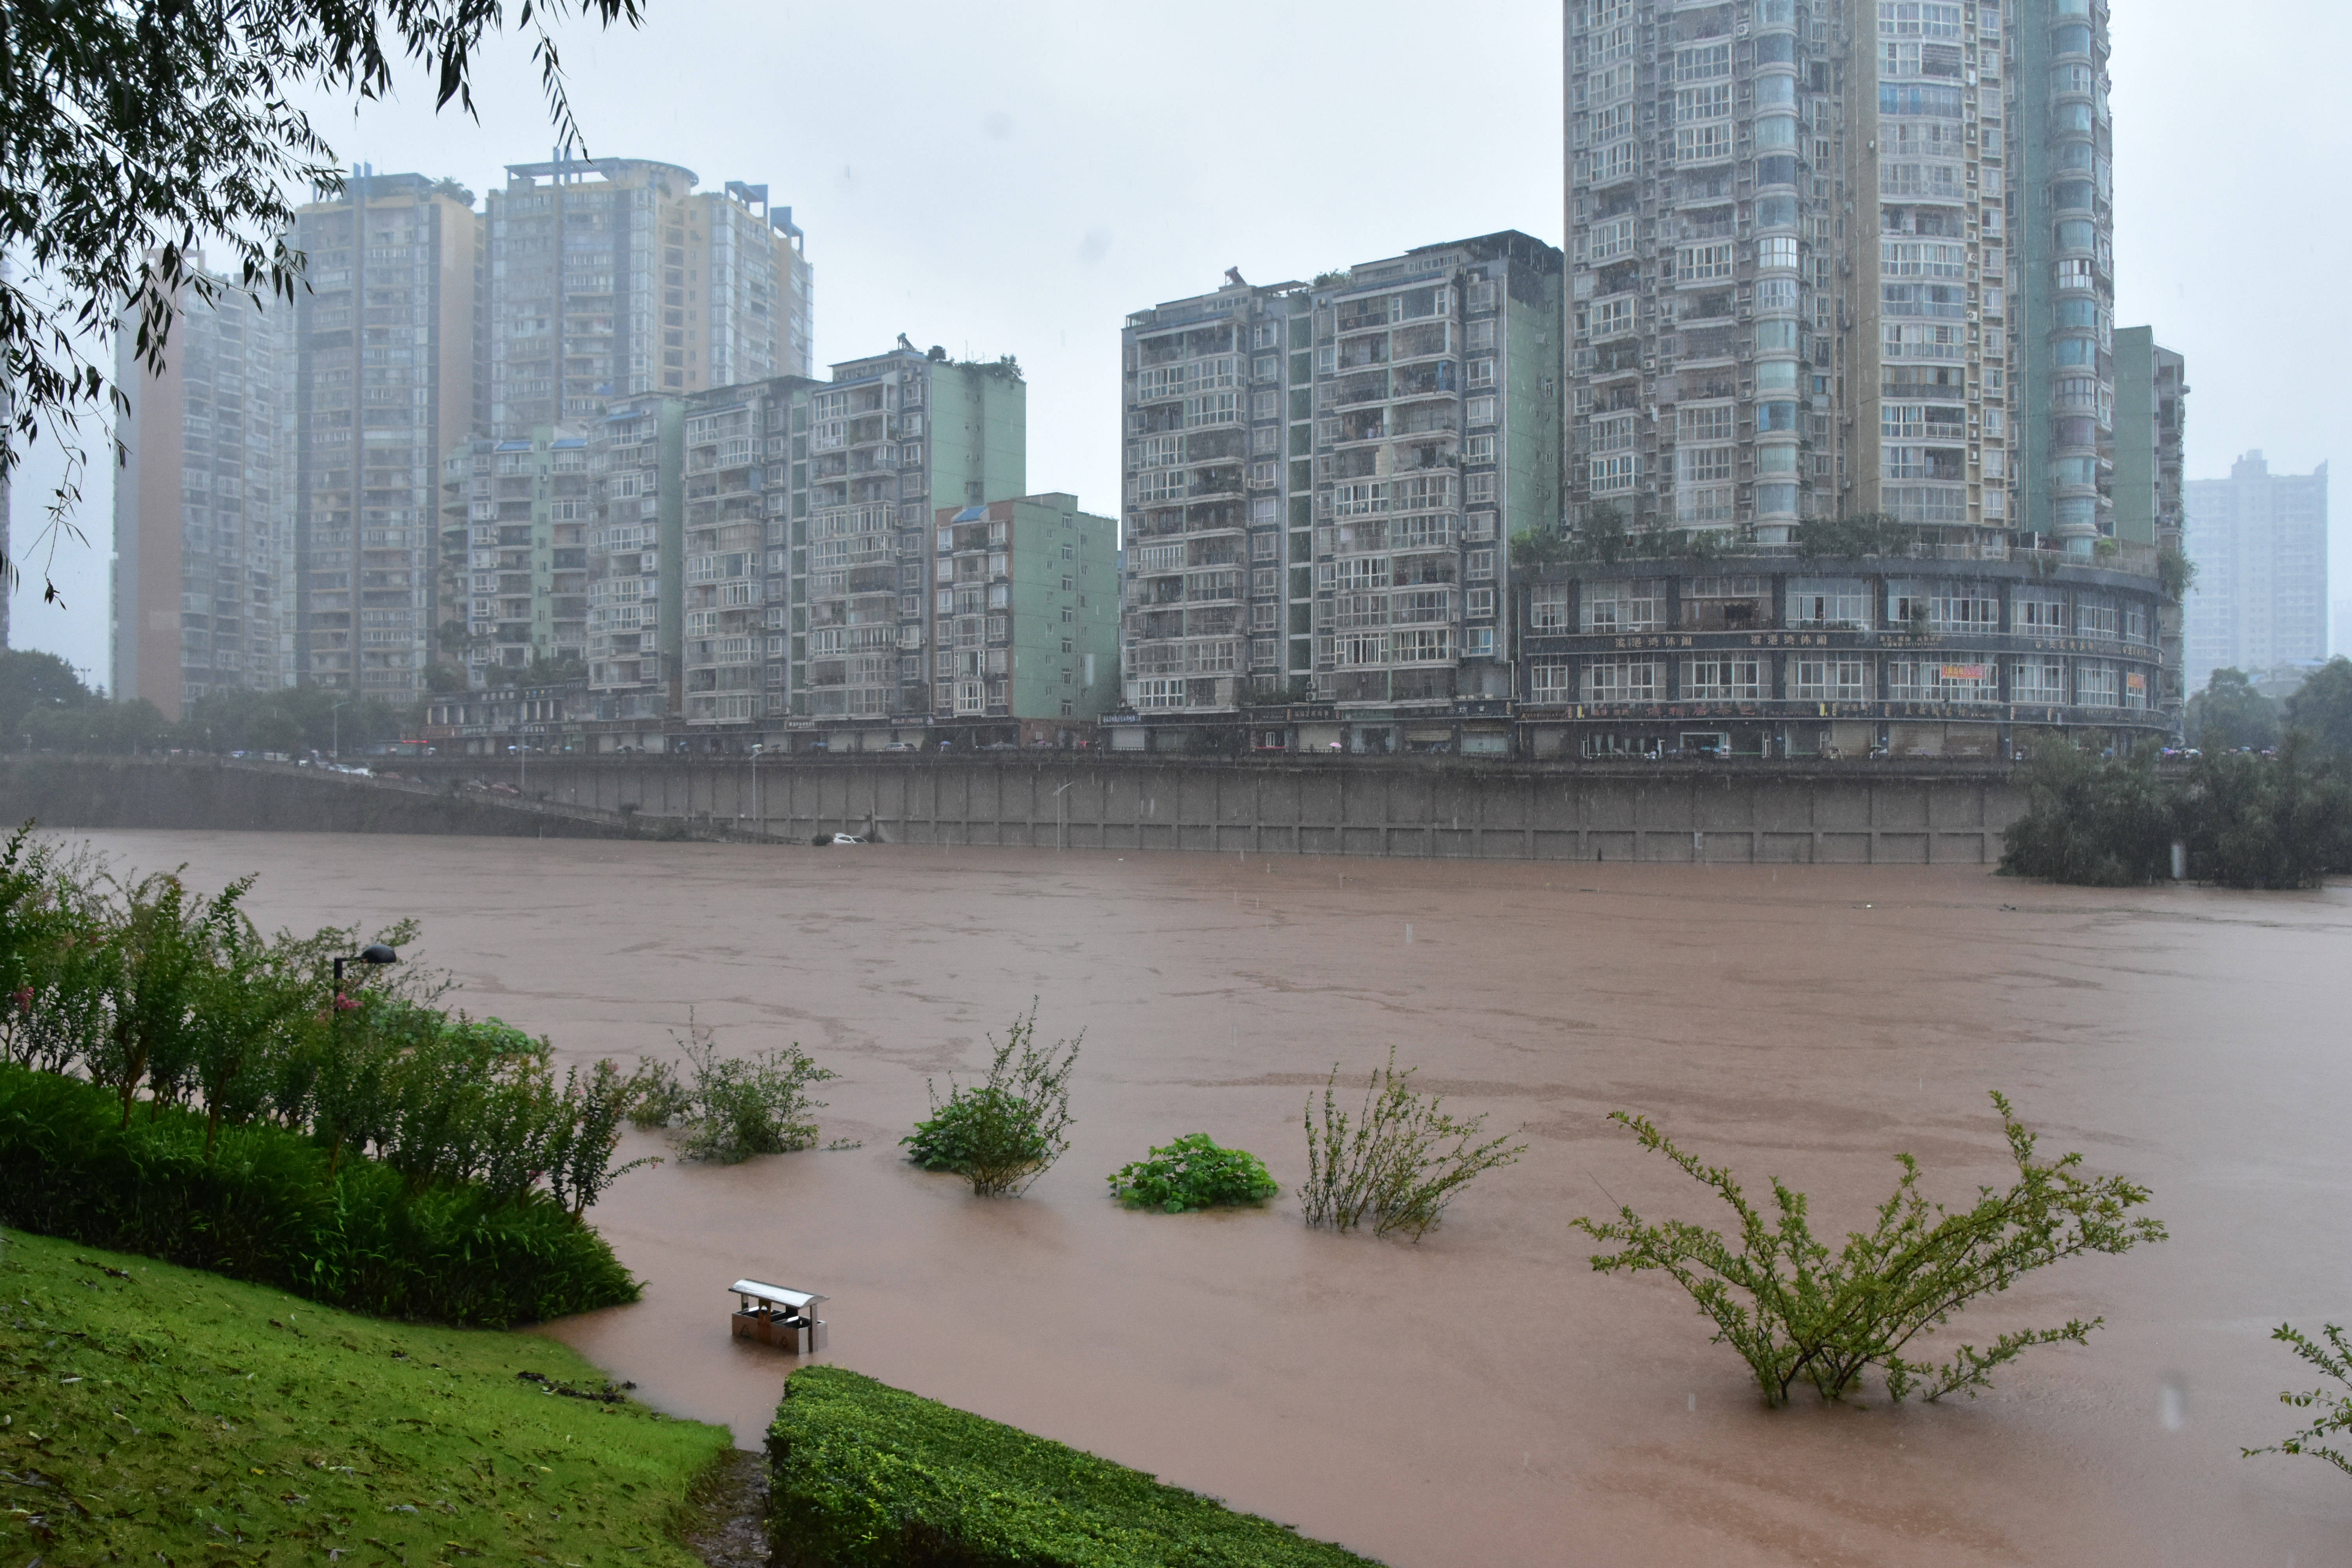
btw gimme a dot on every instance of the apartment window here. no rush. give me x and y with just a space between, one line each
1698 263
1703 63
1828 681
1704 465
2039 614
1612 475
1479 335
1552 683
1623 606
1933 680
1478 564
1778 250
1478 642
1264 546
1266 336
1481 372
1709 424
2095 685
1703 143
1829 603
2037 680
1547 607
1607 241
1478 450
1624 681
1711 102
1478 601
1922 259
1720 680
1480 411
1265 405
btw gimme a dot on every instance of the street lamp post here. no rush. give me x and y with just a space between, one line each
335 731
759 817
375 953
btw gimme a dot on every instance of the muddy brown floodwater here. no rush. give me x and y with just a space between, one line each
1481 1398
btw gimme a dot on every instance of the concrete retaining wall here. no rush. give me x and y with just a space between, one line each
141 792
1894 814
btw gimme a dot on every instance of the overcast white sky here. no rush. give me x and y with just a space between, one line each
1015 178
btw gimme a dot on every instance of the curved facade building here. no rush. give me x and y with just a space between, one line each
1772 655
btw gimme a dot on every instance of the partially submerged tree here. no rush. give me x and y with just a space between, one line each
1397 1161
135 133
1796 1311
2334 1404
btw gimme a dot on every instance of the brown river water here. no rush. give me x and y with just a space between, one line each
1483 1397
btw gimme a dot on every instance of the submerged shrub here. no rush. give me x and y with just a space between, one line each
1002 1134
729 1108
1398 1161
1193 1173
1796 1310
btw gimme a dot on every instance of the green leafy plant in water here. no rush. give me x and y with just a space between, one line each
1398 1161
1193 1173
1004 1134
1795 1311
2335 1359
726 1108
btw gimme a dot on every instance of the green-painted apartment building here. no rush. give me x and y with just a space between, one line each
1025 620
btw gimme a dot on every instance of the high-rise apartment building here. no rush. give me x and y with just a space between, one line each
1323 479
388 377
890 439
614 279
634 550
1840 257
1219 414
204 523
743 498
2259 542
2151 426
514 552
760 555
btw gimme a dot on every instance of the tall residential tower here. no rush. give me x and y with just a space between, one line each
1842 256
614 279
387 383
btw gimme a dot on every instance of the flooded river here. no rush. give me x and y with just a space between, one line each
1481 1398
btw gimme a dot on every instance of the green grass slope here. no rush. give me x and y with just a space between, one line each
867 1476
153 1412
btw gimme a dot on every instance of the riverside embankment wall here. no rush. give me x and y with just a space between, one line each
1851 813
1876 813
142 792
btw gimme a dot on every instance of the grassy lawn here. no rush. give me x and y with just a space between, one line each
149 1411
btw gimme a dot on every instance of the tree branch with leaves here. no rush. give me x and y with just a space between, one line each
135 134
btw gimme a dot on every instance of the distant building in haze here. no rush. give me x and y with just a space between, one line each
615 278
204 534
2259 542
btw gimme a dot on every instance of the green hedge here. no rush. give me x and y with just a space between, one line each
867 1476
264 1209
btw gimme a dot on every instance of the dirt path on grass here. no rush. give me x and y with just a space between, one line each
1482 1398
